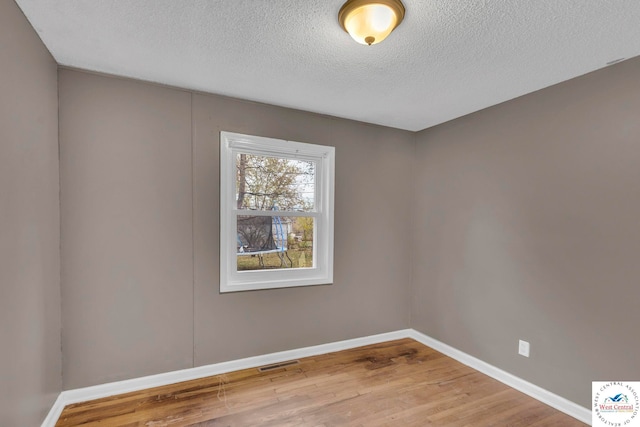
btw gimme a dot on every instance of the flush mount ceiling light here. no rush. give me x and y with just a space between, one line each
370 21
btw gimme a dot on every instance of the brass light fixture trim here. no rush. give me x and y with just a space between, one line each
370 21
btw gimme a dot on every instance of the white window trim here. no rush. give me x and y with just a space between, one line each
321 273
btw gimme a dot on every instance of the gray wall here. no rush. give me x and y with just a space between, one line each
527 227
30 373
140 225
125 196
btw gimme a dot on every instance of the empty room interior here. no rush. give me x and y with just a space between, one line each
473 253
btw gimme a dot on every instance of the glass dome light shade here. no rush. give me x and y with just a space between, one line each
370 21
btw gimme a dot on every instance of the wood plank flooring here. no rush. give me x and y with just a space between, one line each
398 383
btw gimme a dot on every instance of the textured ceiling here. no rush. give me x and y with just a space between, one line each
447 59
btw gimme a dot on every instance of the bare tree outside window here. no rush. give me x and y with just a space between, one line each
267 183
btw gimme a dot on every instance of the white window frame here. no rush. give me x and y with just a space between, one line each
321 273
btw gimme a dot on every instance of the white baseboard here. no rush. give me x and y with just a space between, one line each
105 390
119 387
54 412
560 403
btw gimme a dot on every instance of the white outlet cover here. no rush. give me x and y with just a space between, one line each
523 348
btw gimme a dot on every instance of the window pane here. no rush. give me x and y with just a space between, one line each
272 183
273 242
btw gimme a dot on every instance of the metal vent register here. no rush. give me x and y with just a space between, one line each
268 368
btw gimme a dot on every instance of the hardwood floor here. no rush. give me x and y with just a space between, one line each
398 383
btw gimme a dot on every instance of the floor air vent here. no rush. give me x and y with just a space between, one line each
268 368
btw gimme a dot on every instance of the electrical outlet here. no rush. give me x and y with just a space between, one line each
523 348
